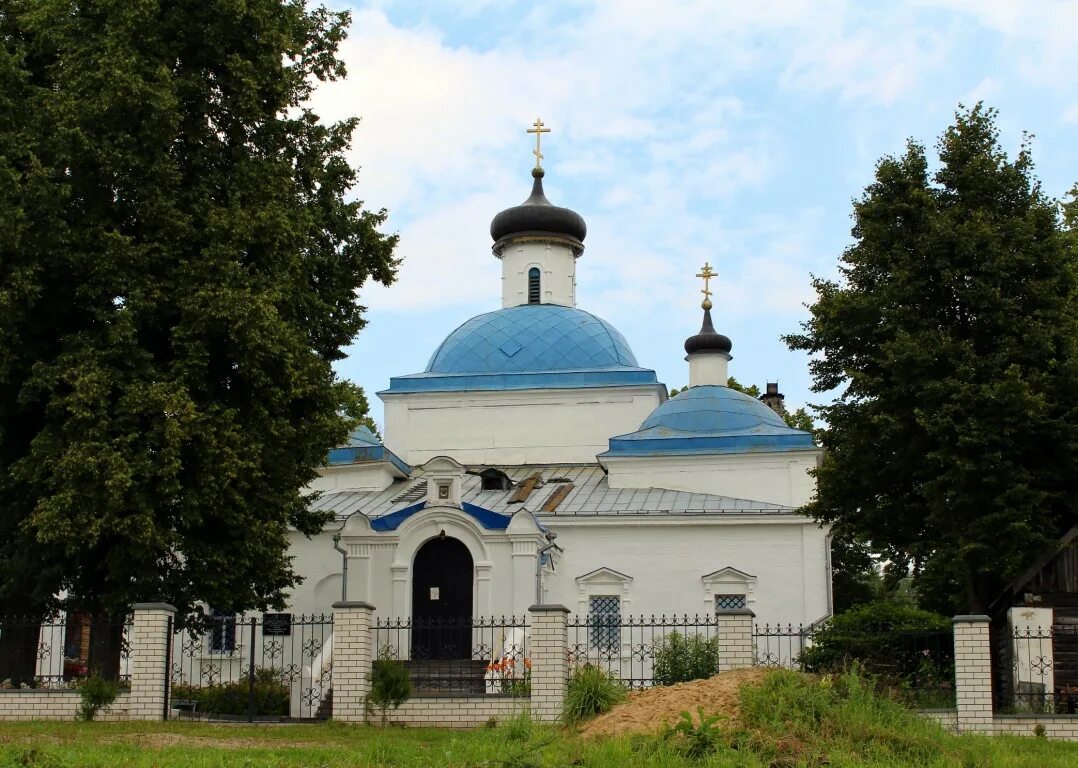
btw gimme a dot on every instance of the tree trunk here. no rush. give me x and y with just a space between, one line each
106 645
18 650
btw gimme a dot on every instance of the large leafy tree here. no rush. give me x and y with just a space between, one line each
178 269
951 337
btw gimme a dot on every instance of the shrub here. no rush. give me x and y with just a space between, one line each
679 658
696 741
96 694
888 640
390 686
272 696
591 691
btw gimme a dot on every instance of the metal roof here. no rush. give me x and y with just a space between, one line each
589 496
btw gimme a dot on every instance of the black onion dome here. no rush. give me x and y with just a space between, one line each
708 340
537 214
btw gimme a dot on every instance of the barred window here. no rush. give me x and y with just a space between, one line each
223 632
533 285
727 602
604 618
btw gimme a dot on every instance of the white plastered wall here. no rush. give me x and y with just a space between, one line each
514 427
669 564
557 281
778 477
372 476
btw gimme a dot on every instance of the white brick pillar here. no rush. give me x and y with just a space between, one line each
735 638
973 673
353 653
547 647
148 662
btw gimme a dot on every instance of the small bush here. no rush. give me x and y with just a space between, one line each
696 741
591 691
96 694
390 686
679 659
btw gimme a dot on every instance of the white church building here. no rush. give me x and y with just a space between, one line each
535 460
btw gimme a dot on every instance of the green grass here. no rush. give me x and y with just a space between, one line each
791 720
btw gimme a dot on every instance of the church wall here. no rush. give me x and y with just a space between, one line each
667 564
665 561
516 427
778 478
557 283
372 477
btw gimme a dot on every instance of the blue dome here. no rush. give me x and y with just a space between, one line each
532 338
710 419
712 409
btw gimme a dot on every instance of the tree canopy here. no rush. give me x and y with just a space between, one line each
951 340
179 260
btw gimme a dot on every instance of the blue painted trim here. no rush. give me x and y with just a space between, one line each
456 382
492 521
362 454
393 520
666 446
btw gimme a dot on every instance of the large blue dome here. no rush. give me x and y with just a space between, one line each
532 338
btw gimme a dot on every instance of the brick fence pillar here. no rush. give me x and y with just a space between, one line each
547 647
735 638
148 661
973 674
353 653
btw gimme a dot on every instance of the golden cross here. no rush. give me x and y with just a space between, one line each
706 273
538 130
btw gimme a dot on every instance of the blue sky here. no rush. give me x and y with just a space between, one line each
735 133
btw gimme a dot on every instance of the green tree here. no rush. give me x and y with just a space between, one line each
178 272
952 334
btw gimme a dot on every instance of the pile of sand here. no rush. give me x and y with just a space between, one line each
648 711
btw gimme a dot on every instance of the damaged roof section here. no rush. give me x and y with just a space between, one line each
550 492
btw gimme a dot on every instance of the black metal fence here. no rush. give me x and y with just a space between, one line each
642 651
780 645
59 651
453 657
1027 673
254 667
915 666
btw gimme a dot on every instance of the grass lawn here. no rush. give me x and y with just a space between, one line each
791 720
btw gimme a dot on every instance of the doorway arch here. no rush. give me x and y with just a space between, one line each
443 583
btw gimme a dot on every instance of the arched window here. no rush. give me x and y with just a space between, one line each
533 285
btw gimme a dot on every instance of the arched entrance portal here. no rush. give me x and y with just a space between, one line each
442 579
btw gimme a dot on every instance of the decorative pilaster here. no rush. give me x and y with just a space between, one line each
148 661
548 645
735 638
973 674
353 653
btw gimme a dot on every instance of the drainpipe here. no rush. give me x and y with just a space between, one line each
344 566
539 565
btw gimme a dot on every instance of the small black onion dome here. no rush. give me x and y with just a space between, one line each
708 340
537 214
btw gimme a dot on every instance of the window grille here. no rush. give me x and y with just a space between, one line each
604 614
533 285
728 602
223 633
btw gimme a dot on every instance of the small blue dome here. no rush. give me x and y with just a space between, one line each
532 338
712 409
710 419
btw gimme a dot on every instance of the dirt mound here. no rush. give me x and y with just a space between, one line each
648 711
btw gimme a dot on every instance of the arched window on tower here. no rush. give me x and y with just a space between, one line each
533 285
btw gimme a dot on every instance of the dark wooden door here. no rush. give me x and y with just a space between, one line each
442 578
